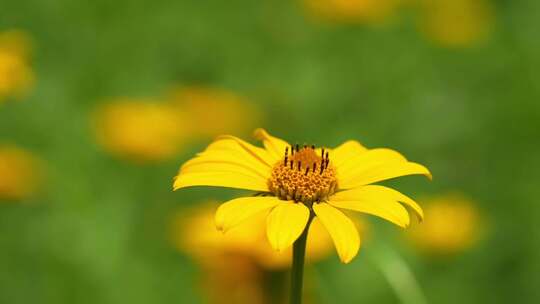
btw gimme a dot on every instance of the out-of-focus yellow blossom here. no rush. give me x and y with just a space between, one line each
196 233
229 274
139 129
456 23
16 75
236 264
16 42
20 173
235 280
452 224
352 11
214 111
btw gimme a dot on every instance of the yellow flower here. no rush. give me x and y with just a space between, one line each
16 75
364 11
295 183
215 111
456 23
231 275
236 264
139 130
452 225
195 232
20 173
16 42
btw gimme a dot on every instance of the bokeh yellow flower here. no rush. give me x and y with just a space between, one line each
352 11
456 23
215 111
16 41
20 173
452 225
139 129
305 184
195 232
16 75
235 265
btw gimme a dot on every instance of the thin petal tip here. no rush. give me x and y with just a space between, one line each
428 174
260 133
347 259
420 215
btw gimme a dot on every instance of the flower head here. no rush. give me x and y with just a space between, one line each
213 110
20 173
295 183
195 233
456 23
236 265
453 225
16 75
352 11
17 42
139 129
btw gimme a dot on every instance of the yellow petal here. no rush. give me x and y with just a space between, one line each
197 165
220 179
380 173
341 229
228 142
227 162
285 224
230 157
275 146
236 211
377 193
372 158
377 203
346 151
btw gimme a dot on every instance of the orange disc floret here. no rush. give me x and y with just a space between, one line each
303 176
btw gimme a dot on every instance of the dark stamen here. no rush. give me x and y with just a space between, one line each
312 147
297 147
322 153
327 162
299 165
292 164
314 167
307 170
292 150
286 156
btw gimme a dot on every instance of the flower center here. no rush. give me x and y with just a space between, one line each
303 176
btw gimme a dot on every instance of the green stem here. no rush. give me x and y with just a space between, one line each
297 271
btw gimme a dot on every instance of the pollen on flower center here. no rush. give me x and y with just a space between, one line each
303 175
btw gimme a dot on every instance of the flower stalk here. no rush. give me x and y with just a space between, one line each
298 258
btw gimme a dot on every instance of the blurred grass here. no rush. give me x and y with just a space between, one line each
98 232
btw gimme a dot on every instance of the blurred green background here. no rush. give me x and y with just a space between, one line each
452 86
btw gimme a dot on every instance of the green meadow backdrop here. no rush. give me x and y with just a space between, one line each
459 94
